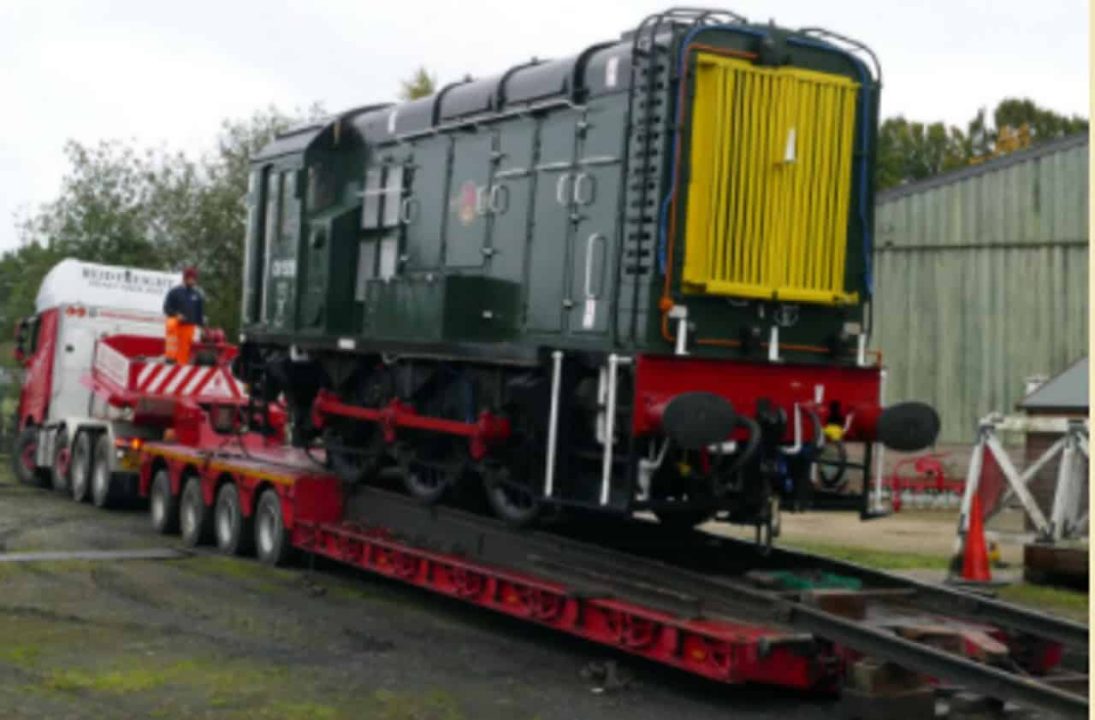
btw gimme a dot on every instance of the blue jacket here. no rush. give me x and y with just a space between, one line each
187 302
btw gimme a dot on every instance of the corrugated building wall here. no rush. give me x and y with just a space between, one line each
981 281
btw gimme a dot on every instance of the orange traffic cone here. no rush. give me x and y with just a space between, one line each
975 556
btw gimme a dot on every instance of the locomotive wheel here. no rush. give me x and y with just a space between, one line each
430 470
22 460
511 500
360 460
60 469
80 467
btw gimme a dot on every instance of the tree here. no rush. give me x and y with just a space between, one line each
148 208
910 151
420 84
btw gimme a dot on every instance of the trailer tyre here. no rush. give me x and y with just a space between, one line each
195 517
271 538
233 531
61 468
22 460
80 467
163 507
104 484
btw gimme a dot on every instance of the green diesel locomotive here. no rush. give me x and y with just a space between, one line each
637 278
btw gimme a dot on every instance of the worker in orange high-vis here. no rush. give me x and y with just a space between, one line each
185 311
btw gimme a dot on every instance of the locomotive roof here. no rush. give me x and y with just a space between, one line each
294 140
598 70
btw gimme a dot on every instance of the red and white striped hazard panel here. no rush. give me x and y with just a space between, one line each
188 381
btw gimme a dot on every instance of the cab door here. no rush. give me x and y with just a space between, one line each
282 240
509 199
551 223
595 195
466 222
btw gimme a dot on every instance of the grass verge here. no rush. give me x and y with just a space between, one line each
879 559
1071 604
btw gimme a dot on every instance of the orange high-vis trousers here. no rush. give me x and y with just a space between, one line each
178 337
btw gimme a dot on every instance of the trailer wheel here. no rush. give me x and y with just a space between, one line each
80 467
104 485
195 517
163 507
61 469
22 460
271 539
233 531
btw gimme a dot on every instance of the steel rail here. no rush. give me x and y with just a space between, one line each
703 551
710 590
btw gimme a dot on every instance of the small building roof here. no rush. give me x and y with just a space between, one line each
1034 152
1065 392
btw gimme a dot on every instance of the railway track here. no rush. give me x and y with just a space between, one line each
701 576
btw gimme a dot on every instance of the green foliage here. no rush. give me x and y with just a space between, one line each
147 208
420 84
910 151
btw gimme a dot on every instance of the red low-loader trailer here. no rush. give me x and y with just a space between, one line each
247 492
255 495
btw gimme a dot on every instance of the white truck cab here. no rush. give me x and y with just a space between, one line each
64 429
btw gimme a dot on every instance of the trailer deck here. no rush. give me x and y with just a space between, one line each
710 606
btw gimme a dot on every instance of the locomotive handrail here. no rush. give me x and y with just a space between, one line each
856 44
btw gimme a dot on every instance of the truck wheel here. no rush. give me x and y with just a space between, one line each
104 486
60 470
22 459
80 467
233 531
163 507
195 517
271 539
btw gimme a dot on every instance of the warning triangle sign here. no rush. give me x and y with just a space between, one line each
217 386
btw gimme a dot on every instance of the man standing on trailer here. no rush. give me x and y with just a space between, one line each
185 311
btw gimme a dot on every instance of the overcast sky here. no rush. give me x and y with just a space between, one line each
168 73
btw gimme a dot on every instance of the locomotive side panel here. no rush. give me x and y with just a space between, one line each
549 244
595 239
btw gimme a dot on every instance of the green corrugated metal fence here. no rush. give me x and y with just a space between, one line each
981 281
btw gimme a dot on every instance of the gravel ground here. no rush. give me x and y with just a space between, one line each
213 637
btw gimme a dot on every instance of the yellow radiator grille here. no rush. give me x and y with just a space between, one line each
771 173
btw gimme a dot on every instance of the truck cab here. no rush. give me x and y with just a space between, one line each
61 424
